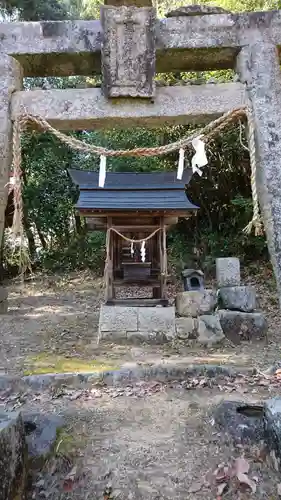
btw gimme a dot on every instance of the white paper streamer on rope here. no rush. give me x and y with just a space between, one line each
180 164
102 173
199 159
132 249
143 252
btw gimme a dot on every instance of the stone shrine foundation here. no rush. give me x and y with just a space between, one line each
137 324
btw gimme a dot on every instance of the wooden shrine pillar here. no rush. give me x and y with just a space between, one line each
163 258
109 292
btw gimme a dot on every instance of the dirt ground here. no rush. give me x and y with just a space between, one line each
52 326
161 445
155 443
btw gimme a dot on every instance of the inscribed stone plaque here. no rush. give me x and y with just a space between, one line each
128 51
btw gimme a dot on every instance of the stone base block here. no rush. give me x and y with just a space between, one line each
239 325
186 328
137 324
3 300
13 456
239 298
228 271
272 425
195 303
209 330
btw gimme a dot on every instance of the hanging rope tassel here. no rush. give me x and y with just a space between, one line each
180 164
256 221
199 159
102 174
143 251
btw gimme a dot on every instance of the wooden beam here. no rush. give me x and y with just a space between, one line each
88 109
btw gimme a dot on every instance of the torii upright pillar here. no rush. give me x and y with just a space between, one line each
259 68
10 80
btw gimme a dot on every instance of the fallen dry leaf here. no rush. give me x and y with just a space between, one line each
241 466
244 479
70 479
221 488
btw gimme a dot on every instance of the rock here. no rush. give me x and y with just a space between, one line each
272 425
196 10
41 433
186 328
239 298
3 300
194 303
209 330
13 456
239 325
241 422
118 319
228 271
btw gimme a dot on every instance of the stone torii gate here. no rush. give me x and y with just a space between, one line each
128 46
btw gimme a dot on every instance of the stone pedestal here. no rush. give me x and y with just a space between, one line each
194 303
13 457
128 51
259 68
238 326
137 324
238 298
10 80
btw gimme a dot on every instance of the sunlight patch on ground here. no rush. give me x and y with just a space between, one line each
51 363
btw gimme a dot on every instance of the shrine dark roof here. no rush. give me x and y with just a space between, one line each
132 191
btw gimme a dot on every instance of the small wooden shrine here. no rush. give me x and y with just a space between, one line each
135 209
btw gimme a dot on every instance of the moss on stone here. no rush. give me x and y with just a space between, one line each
44 363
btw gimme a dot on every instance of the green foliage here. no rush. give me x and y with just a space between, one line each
83 251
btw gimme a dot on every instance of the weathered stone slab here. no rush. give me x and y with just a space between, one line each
128 51
238 424
209 330
89 109
228 271
239 298
3 300
239 326
186 328
41 433
137 324
13 456
263 86
272 425
118 319
194 303
157 320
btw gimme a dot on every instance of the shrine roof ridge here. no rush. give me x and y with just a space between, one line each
136 200
135 181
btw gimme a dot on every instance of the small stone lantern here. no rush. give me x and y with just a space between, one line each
193 280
